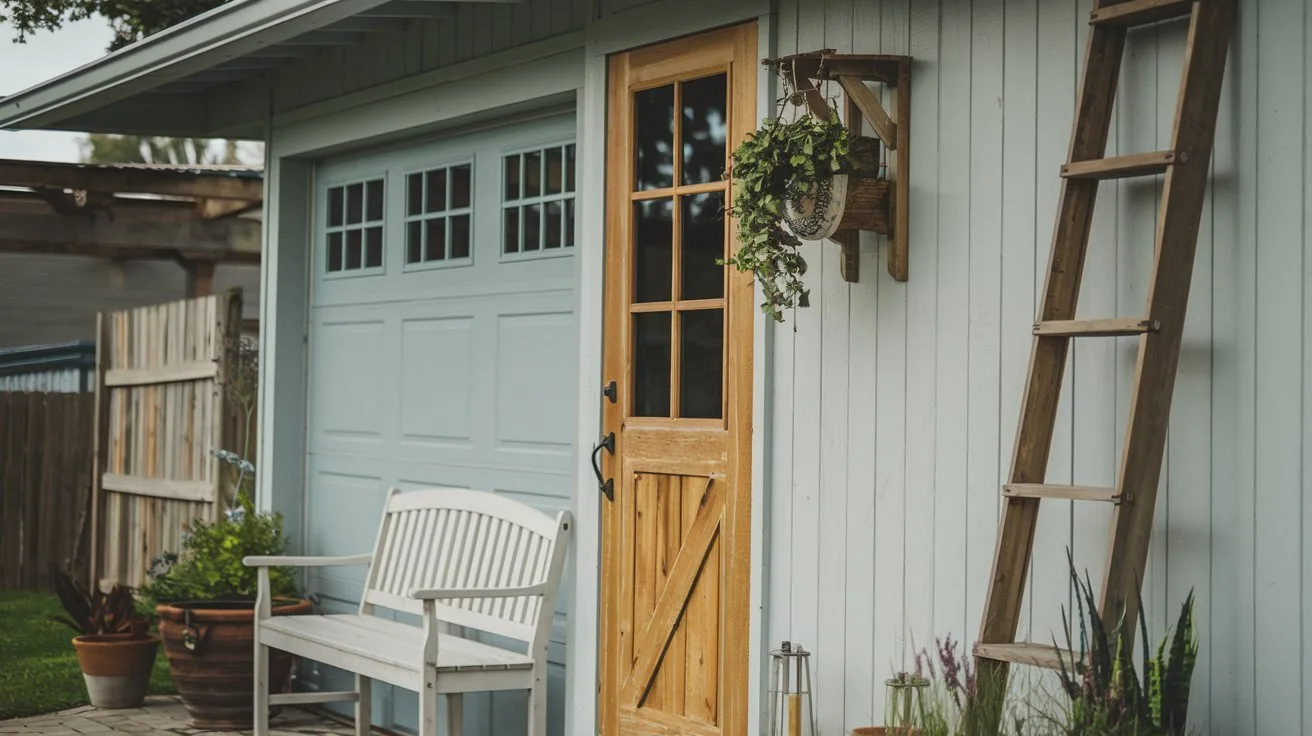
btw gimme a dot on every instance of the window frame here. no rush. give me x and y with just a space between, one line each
404 218
503 204
325 230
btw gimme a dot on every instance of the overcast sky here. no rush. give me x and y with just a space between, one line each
45 56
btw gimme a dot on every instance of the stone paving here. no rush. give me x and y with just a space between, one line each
163 715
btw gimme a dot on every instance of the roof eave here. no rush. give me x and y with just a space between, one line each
226 32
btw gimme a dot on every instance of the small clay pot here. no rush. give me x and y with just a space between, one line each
210 646
116 668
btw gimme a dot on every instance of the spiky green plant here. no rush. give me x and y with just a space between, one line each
1106 696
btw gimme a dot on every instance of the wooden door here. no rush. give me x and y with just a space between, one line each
678 347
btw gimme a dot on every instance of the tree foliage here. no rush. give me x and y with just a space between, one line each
131 20
99 148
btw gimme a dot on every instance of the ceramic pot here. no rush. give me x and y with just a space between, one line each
210 646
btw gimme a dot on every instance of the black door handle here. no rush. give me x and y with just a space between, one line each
607 486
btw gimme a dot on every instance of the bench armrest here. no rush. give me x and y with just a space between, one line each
439 594
294 561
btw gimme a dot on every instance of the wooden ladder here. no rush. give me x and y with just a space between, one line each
1185 166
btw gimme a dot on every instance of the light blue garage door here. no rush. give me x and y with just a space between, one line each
444 346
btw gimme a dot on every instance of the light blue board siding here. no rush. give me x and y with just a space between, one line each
895 405
474 30
458 375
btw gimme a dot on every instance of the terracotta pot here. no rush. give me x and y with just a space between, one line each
210 646
116 667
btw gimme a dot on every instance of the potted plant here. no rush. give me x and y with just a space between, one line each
114 648
812 175
205 600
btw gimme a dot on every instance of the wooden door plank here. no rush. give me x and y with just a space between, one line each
1038 415
1177 240
701 627
651 643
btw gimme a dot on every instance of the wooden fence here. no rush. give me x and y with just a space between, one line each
45 487
162 413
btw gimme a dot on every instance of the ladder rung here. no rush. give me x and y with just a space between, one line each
1140 12
1114 327
1066 493
1120 167
1038 655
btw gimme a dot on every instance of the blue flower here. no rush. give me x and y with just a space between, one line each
236 514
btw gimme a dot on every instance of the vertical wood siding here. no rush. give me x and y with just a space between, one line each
895 404
474 30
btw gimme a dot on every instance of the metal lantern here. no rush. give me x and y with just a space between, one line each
905 697
790 692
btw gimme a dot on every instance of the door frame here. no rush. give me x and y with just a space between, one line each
740 537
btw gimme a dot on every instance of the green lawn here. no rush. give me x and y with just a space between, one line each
40 672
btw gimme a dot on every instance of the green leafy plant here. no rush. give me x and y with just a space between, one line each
210 566
1106 695
780 162
95 612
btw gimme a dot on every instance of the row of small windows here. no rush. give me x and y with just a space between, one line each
538 212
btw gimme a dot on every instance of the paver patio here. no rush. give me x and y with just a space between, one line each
161 714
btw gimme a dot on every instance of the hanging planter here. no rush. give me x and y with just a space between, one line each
808 178
855 200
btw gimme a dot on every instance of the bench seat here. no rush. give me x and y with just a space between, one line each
390 651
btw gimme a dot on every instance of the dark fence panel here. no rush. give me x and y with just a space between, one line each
45 487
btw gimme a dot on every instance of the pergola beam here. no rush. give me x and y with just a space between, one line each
37 174
221 240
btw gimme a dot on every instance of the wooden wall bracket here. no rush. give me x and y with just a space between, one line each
852 71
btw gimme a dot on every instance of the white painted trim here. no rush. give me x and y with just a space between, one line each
589 238
478 98
758 661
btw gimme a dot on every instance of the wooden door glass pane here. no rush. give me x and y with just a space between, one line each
653 254
651 364
702 223
701 364
654 109
705 122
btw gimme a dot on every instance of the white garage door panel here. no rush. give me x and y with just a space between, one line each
460 371
487 382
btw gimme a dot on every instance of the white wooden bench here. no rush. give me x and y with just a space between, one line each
455 557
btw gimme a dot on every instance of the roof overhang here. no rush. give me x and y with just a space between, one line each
159 85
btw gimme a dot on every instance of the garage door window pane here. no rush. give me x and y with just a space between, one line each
538 201
460 236
354 224
439 216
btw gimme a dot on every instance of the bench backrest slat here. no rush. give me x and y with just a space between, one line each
447 538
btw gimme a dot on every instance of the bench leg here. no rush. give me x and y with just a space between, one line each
364 712
537 708
455 714
428 704
261 688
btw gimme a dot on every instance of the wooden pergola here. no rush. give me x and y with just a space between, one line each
190 214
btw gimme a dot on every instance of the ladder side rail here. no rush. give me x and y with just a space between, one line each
1159 353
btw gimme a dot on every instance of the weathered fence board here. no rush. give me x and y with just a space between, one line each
45 486
160 386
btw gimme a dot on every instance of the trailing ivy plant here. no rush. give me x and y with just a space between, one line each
780 162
